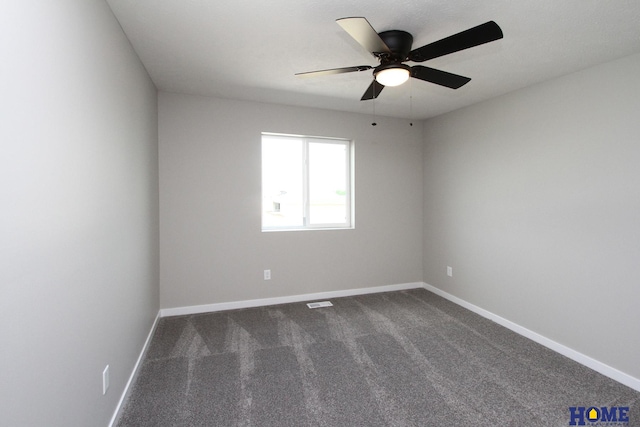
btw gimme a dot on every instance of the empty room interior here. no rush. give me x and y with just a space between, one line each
495 194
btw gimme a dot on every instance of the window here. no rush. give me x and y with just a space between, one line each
306 183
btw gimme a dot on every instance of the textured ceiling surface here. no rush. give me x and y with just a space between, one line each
250 49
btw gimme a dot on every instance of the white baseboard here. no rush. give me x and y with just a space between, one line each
114 418
583 359
234 305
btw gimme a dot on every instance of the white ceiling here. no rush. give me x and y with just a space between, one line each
251 49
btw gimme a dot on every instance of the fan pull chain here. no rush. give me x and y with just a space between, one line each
374 106
410 102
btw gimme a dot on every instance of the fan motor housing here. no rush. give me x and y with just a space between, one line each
399 42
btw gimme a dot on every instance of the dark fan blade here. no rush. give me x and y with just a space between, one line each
335 71
373 91
485 33
438 77
363 33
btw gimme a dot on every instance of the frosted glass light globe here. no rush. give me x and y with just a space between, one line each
392 76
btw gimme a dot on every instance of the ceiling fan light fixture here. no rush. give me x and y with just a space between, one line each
392 75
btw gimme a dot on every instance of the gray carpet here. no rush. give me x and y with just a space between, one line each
406 358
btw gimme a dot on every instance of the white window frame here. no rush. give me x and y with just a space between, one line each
349 196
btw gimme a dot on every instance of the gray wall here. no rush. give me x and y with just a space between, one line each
212 249
79 212
534 199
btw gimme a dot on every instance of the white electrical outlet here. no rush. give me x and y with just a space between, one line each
105 380
449 271
267 275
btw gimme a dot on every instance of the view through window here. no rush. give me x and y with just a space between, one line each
306 182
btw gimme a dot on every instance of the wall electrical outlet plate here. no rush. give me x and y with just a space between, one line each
449 271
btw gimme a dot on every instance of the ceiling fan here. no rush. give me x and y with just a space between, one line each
393 48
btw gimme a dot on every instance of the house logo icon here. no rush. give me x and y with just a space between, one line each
593 415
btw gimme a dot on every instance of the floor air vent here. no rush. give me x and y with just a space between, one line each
319 304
